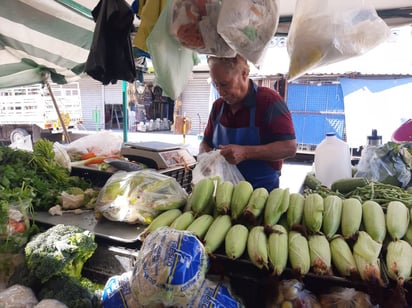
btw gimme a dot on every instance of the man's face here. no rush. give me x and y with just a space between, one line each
231 85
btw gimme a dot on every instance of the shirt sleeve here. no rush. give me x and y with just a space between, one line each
208 132
278 121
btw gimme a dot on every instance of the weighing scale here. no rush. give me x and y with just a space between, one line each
158 155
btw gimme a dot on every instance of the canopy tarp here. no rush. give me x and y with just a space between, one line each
42 35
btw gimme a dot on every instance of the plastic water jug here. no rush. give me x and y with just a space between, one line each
332 160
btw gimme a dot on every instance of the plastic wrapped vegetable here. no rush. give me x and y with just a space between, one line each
139 196
292 293
170 268
194 24
345 297
248 26
215 294
18 296
14 225
323 34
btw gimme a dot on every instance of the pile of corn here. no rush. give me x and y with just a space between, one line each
308 233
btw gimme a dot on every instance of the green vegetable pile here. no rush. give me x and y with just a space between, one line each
54 261
62 249
361 189
34 175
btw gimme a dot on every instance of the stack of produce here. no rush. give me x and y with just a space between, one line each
309 233
52 268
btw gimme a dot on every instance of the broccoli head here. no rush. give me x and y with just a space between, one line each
61 249
73 292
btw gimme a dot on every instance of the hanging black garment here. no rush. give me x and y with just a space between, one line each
111 54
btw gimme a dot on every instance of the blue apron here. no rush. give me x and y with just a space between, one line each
258 172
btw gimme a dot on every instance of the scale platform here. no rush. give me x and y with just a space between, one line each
157 155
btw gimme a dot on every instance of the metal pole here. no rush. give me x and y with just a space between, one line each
125 111
66 134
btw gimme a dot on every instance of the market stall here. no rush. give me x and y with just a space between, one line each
109 220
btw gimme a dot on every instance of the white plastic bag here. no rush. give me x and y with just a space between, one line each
101 143
213 164
248 26
24 143
194 24
326 32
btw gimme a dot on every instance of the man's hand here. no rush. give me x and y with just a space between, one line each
233 153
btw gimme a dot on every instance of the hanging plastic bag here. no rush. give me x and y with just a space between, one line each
248 26
194 24
172 63
213 164
326 32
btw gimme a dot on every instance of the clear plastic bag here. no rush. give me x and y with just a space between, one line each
213 164
101 143
139 196
15 225
18 296
194 24
248 26
323 33
388 163
346 298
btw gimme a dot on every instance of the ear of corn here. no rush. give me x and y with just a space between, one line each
299 256
223 197
373 219
320 255
240 197
332 215
183 221
342 257
216 233
366 254
164 219
200 225
313 212
408 235
351 217
257 247
294 213
399 260
201 194
276 204
257 202
278 249
236 241
397 219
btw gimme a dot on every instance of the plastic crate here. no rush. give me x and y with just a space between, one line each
183 175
